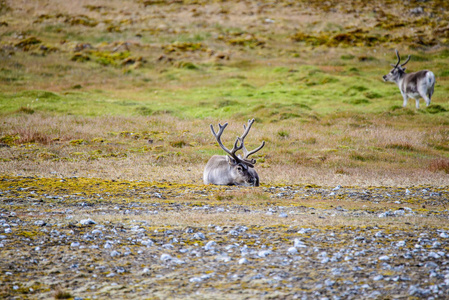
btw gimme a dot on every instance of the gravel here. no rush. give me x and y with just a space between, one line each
110 254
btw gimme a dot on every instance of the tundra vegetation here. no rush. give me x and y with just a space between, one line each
104 110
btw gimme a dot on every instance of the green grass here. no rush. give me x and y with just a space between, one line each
270 94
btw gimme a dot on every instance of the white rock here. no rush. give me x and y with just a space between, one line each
147 243
384 258
337 188
166 257
243 261
195 279
87 222
400 244
444 235
8 230
304 230
210 245
74 244
97 232
325 260
299 244
434 255
378 277
292 251
199 236
264 253
329 282
168 246
115 253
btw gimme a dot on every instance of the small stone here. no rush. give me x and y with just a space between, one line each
115 253
337 188
166 257
96 232
199 236
264 253
299 244
292 251
444 235
329 282
87 222
40 223
147 243
195 279
210 245
378 277
74 244
434 255
400 244
168 246
243 261
384 258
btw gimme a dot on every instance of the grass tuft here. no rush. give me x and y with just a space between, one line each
439 165
62 295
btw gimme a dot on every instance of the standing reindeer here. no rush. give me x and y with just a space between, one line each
231 169
412 85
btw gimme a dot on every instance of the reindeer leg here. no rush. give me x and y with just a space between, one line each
427 99
425 95
417 102
405 100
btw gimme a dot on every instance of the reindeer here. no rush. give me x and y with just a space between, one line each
232 169
412 85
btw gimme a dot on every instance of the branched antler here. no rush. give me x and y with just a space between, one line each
246 154
241 139
399 60
218 138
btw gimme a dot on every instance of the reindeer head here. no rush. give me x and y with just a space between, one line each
241 169
398 70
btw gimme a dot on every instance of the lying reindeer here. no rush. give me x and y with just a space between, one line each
412 85
232 169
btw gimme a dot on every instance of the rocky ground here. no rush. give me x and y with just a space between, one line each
95 239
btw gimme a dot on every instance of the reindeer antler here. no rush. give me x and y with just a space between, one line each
399 59
246 154
241 139
218 138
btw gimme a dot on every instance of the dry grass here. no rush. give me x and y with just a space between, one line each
328 144
167 149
